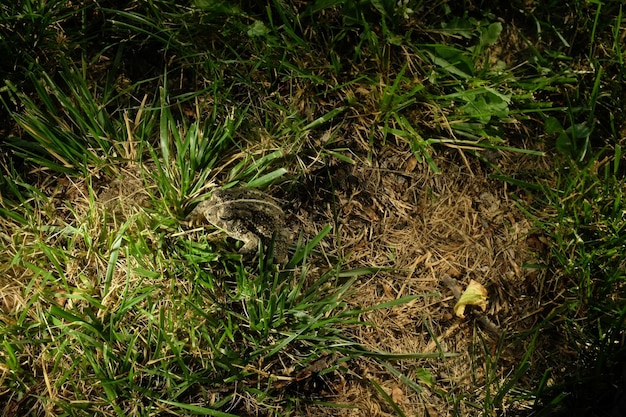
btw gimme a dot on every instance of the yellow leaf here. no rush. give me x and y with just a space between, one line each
475 295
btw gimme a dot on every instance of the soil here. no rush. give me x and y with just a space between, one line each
419 228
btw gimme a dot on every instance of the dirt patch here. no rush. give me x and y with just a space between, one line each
420 227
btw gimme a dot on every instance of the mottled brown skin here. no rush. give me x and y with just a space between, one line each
248 215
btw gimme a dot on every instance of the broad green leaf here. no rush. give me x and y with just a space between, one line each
258 29
490 34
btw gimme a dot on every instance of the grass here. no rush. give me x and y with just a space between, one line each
117 121
587 231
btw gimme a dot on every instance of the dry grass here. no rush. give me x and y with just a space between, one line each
419 226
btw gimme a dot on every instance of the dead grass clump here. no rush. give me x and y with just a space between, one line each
420 227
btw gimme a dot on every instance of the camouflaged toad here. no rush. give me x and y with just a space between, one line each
248 215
